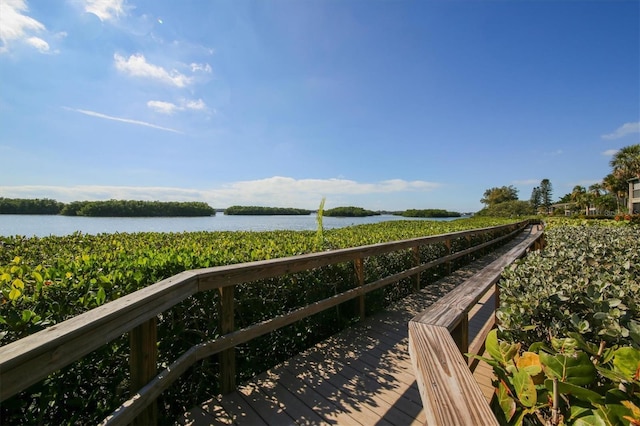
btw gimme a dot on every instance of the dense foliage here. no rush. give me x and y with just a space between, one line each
349 212
568 347
499 195
44 281
512 208
132 208
429 213
29 206
264 211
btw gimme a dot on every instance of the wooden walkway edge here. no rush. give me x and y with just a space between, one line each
360 376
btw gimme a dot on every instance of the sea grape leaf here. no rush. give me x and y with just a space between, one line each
627 361
525 388
633 409
500 350
576 369
529 362
577 391
634 331
588 347
14 294
505 401
589 418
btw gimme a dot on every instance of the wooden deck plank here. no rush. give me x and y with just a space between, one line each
386 394
289 401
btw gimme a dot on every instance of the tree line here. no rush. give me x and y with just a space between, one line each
265 211
110 208
609 195
429 213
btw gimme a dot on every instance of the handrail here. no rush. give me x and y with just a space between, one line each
439 341
25 362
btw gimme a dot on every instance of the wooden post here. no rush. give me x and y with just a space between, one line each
143 343
460 335
227 357
447 244
416 262
359 267
469 259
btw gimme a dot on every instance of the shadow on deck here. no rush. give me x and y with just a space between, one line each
360 376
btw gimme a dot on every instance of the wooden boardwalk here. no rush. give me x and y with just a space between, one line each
360 376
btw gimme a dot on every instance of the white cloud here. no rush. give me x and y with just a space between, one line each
195 104
169 107
200 67
163 107
38 43
106 10
622 131
15 25
122 120
137 66
610 152
273 191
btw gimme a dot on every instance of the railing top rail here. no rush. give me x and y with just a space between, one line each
451 395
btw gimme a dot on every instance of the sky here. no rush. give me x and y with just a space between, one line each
380 104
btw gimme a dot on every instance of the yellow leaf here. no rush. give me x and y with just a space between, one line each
530 363
17 283
14 293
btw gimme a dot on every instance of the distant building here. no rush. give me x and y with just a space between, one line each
568 208
634 195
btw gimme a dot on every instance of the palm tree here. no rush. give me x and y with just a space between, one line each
626 162
618 187
579 196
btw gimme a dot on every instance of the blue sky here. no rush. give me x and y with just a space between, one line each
380 104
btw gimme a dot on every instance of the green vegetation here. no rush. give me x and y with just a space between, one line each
568 346
110 208
349 212
495 196
264 211
125 208
513 208
503 202
429 213
27 206
44 281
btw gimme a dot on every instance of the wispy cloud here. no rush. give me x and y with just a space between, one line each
106 10
200 67
169 107
121 119
622 131
16 25
610 152
273 191
137 66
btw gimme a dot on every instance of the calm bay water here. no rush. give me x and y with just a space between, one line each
45 225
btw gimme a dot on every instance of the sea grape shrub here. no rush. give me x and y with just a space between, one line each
585 280
564 381
567 348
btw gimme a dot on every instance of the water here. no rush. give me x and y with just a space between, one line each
45 225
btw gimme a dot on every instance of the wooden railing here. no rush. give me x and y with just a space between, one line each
439 342
31 359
